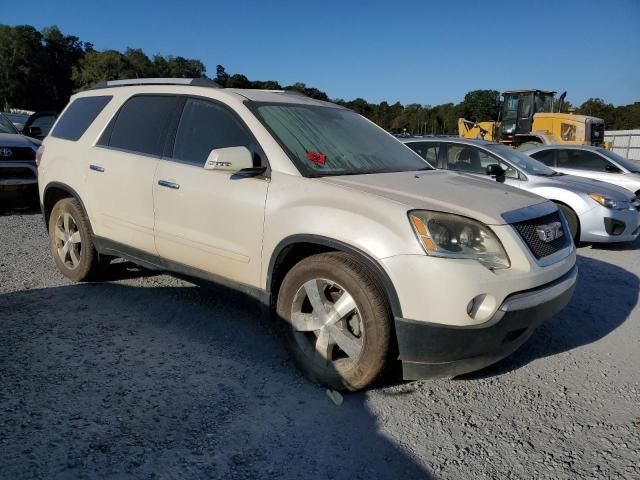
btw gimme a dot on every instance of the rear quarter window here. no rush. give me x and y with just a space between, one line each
79 116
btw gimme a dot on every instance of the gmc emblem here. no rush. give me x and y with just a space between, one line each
549 232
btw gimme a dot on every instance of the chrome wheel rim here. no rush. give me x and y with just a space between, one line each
68 241
326 322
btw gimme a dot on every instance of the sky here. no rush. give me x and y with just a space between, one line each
413 51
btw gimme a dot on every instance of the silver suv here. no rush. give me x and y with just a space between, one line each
364 252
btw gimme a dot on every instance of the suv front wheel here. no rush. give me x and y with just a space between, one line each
70 241
336 320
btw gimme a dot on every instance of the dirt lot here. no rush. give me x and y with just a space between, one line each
148 376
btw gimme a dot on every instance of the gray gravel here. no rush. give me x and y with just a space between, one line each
148 376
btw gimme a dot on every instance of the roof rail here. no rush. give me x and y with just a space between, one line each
196 82
291 91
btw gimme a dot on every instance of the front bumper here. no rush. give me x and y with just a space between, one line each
430 350
18 173
596 225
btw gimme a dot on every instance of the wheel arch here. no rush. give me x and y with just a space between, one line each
579 232
295 248
56 191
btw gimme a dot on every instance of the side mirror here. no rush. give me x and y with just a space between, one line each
496 171
612 169
32 131
231 159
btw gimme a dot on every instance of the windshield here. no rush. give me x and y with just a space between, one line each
527 164
334 141
628 164
6 126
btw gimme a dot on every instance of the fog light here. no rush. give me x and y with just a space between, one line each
481 307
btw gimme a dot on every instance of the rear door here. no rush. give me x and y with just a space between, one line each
122 169
206 219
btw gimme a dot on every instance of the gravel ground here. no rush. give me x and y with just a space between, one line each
148 376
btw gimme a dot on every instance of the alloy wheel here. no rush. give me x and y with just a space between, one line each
326 321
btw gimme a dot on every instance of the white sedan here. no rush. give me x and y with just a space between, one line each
592 162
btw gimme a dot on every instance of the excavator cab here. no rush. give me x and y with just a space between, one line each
518 109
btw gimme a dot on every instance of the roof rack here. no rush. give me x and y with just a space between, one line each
195 82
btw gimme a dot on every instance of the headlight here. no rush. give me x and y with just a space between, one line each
453 236
610 202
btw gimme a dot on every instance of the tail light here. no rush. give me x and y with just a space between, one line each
39 154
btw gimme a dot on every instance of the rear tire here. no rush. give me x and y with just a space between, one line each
572 221
71 243
336 320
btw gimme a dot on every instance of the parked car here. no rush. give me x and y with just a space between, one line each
39 124
17 158
18 119
590 162
595 211
365 253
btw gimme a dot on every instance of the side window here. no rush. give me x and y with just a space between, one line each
428 151
141 125
465 158
79 115
545 156
205 126
582 160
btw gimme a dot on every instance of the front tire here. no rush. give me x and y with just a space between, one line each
336 320
572 221
70 241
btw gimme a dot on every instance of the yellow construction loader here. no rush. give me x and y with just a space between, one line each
527 117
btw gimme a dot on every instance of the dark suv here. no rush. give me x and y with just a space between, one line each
17 158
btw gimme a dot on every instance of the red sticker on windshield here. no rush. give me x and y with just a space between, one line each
317 157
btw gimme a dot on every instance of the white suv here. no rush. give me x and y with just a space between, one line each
365 253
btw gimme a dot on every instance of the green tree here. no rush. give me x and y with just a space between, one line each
480 105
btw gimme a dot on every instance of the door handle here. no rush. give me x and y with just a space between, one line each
168 184
96 168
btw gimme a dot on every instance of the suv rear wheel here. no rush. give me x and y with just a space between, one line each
336 320
70 241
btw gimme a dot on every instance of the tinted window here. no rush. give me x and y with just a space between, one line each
428 151
205 126
464 158
141 125
581 160
545 156
78 116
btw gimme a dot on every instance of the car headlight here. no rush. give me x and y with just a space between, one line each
611 202
453 236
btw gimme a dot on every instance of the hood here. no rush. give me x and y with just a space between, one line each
586 185
15 140
452 192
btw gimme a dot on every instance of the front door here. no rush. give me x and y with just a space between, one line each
206 219
469 159
585 163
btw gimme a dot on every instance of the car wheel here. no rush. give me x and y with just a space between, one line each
572 221
70 241
336 320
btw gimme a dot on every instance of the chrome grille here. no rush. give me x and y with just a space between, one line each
540 249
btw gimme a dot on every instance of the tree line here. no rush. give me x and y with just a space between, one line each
40 70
